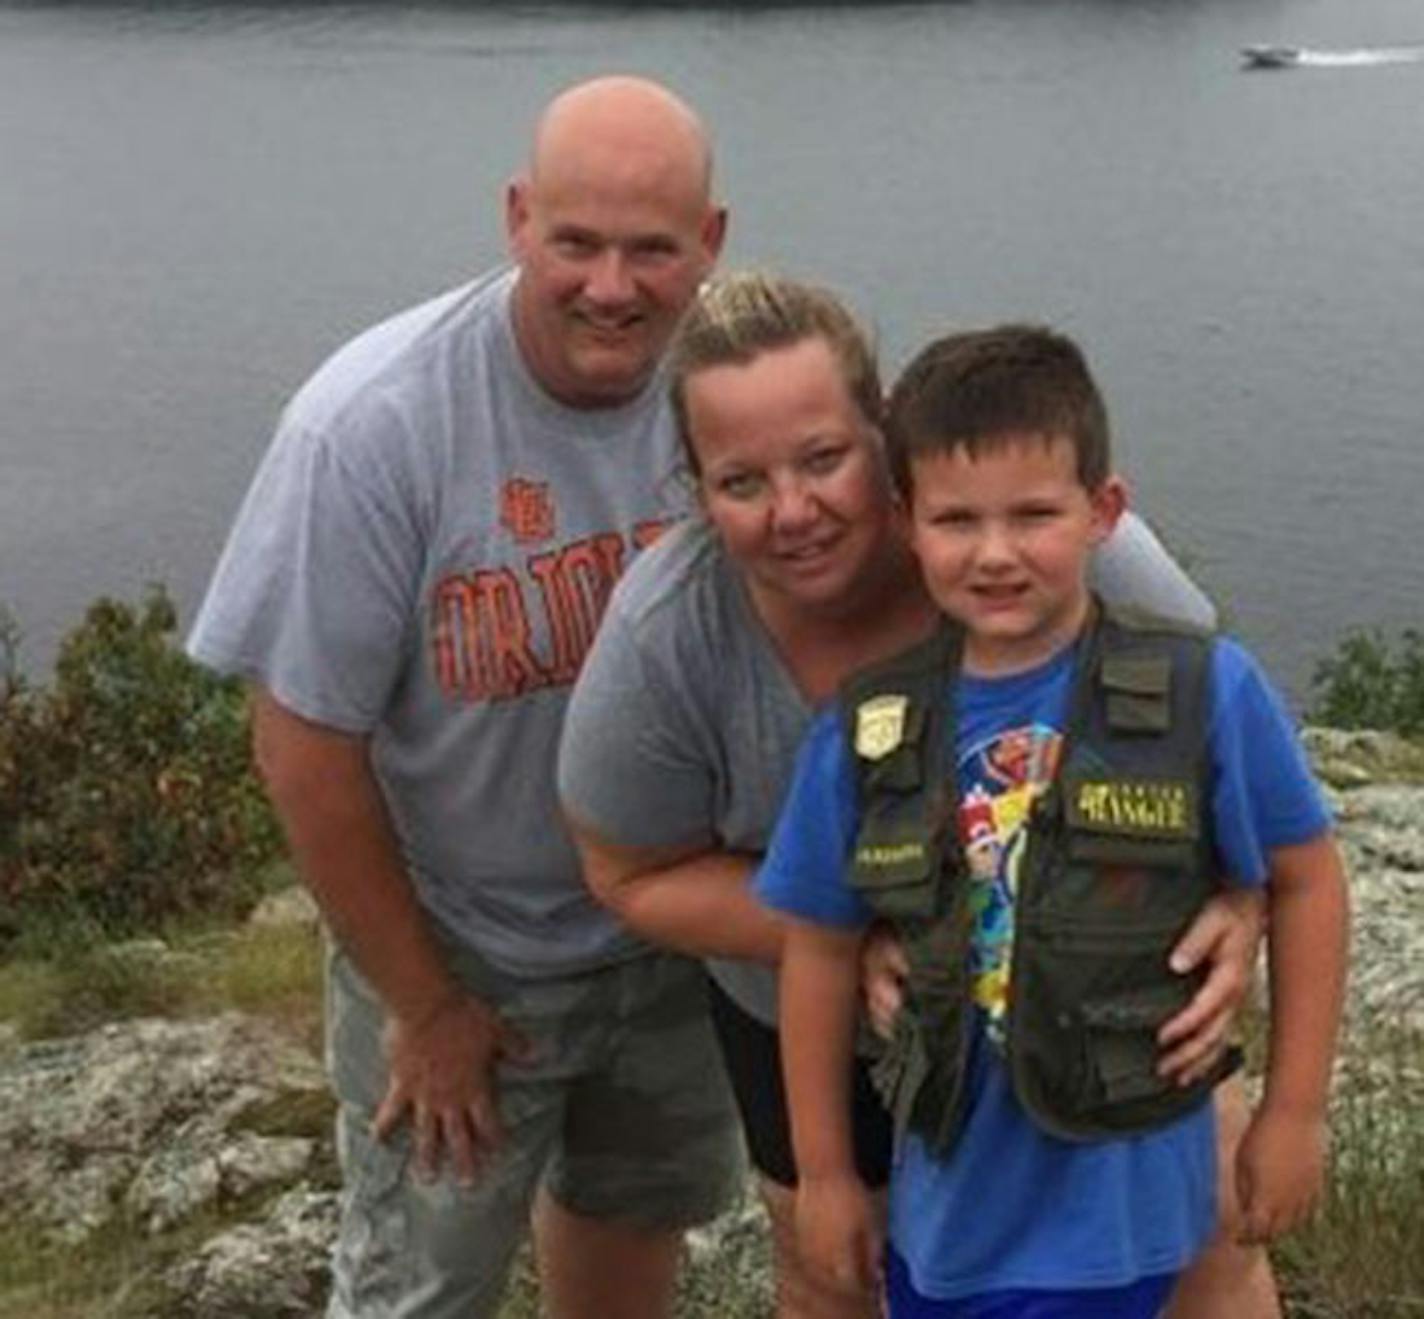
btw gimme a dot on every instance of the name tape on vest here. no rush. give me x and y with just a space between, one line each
1141 808
888 854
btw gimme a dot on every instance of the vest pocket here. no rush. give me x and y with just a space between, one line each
1120 1040
896 876
1088 1000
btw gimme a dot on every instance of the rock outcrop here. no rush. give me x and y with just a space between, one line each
221 1127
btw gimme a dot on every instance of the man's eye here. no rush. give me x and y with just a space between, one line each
653 251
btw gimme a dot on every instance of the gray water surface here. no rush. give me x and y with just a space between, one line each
197 202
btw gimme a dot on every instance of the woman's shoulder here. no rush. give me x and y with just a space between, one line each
680 577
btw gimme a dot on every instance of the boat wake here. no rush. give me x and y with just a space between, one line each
1294 57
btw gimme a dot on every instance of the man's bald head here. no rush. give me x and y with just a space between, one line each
613 228
625 111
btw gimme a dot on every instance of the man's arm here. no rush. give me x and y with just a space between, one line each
836 1223
1280 1169
442 1043
698 901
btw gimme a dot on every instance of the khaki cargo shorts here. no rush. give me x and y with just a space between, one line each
622 1111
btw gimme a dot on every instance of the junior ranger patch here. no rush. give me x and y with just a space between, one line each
880 725
1144 808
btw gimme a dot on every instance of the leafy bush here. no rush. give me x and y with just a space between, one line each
1367 683
126 791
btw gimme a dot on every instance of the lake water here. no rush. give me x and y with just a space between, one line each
197 202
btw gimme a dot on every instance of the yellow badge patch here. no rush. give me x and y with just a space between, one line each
880 726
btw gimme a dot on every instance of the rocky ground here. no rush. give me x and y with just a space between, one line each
216 1132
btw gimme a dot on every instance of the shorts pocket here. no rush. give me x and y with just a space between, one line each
371 1260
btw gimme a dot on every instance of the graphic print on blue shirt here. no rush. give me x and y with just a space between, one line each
1000 778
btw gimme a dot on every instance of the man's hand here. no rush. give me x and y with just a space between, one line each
442 1071
883 972
1280 1172
838 1232
1225 937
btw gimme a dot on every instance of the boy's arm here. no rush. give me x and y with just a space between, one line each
836 1222
1280 1169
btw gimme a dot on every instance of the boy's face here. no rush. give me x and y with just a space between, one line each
1003 542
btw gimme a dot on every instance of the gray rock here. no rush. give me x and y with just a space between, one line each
292 906
137 1114
206 1165
270 1268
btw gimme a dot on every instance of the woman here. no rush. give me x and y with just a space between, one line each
715 649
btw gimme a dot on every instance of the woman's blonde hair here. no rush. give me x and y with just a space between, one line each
737 317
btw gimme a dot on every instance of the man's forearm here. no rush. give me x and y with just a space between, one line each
345 850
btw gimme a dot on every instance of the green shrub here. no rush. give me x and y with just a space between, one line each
126 791
1368 683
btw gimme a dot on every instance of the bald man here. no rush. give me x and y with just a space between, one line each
410 588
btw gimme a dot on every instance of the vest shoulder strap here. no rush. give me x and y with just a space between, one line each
889 708
1145 674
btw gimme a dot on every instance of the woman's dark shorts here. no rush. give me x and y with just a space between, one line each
751 1051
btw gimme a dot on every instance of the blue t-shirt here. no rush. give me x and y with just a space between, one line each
1013 1207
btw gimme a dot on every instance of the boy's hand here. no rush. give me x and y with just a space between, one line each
1280 1172
838 1232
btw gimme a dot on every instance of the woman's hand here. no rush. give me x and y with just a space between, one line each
1225 937
883 972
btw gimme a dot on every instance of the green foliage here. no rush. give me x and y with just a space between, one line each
1368 683
126 791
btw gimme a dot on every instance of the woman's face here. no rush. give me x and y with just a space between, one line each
792 475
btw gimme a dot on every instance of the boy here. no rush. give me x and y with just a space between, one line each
1039 800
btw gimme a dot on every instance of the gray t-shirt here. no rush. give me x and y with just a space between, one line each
424 556
684 724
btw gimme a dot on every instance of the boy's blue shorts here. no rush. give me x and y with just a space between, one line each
1144 1299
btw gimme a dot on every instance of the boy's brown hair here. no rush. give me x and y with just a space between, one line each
973 391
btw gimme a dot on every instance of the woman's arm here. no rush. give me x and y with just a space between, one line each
1223 939
1132 567
695 900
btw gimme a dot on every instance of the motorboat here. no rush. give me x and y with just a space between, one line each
1270 57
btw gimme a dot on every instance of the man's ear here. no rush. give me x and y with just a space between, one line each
1109 502
516 211
714 233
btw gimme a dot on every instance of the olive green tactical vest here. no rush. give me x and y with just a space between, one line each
1116 862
